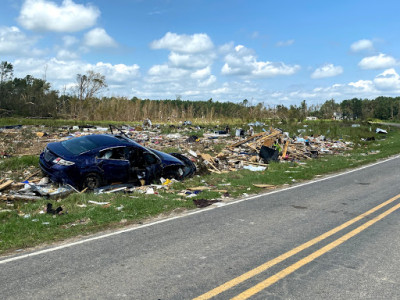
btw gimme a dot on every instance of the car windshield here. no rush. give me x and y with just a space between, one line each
79 145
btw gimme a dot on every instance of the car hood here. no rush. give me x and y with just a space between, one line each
167 159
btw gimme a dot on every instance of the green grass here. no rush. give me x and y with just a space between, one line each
18 163
23 226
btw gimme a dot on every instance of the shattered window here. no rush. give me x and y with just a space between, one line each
150 159
114 153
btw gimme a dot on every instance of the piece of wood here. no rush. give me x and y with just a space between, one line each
6 184
248 139
254 163
33 174
19 198
215 171
199 188
264 186
208 158
285 148
268 143
274 133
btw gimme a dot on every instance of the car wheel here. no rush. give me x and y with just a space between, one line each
92 181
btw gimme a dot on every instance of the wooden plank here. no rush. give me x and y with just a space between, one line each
285 148
33 174
199 188
264 186
271 135
6 184
254 163
248 139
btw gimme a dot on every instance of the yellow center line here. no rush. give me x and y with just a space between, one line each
278 276
284 256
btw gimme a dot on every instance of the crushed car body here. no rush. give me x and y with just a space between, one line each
95 160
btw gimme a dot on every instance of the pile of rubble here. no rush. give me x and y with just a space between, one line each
216 151
257 151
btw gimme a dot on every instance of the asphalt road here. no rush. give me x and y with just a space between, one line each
189 256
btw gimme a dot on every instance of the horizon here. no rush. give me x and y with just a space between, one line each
263 51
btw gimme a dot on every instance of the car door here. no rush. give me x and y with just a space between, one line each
114 165
144 164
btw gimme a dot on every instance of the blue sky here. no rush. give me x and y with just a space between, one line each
273 52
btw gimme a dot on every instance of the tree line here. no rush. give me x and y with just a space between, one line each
34 97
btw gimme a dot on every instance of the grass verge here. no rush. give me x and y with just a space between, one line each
25 225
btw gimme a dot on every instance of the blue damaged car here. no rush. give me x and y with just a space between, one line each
96 160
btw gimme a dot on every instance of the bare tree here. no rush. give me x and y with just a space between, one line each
88 85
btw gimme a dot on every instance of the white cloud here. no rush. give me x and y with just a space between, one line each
62 73
43 15
190 61
70 40
388 80
98 38
202 73
15 42
163 73
363 86
380 61
64 54
196 43
272 69
221 90
362 45
242 61
327 70
285 43
209 81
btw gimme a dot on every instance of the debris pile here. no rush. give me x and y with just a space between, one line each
255 152
215 151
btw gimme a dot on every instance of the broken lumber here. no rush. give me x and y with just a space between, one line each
6 184
248 139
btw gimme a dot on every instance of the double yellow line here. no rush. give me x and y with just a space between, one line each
274 278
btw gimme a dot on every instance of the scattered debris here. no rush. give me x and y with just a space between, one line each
50 210
201 203
379 130
217 150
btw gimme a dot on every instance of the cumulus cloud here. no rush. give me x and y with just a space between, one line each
190 61
327 70
196 43
62 73
64 54
363 86
380 61
164 73
15 42
43 15
202 73
242 61
285 43
209 81
362 45
388 80
98 38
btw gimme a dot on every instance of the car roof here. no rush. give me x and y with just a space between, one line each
108 140
103 141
